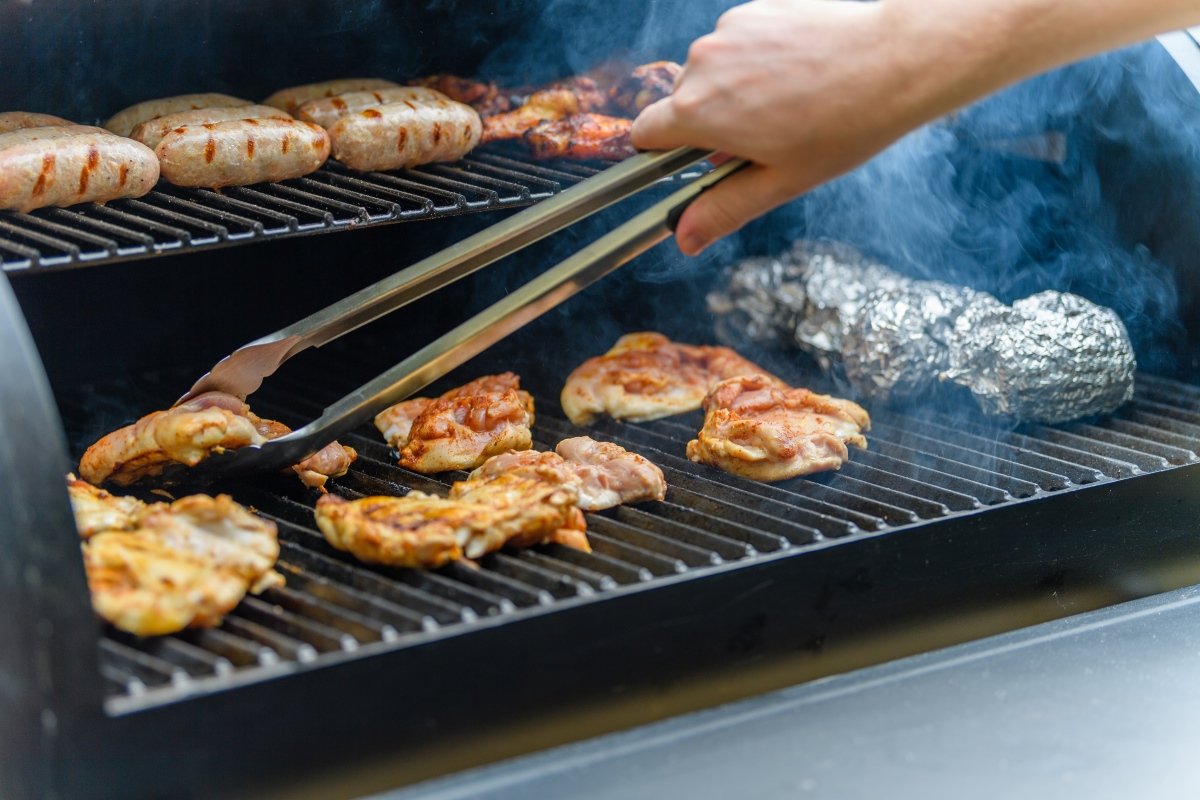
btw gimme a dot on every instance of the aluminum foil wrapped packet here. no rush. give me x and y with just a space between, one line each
1050 357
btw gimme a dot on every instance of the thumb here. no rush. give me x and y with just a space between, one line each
656 128
729 205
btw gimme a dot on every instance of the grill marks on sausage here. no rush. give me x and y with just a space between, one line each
47 169
122 175
339 103
286 144
249 147
210 149
403 140
371 113
85 174
437 132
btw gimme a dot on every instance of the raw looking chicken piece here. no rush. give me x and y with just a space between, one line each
462 428
757 430
604 474
582 137
158 568
646 376
189 433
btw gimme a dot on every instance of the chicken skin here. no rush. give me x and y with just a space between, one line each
156 568
647 84
757 430
542 106
189 433
582 137
646 376
462 428
604 474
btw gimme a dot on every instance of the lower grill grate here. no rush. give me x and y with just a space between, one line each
170 219
919 470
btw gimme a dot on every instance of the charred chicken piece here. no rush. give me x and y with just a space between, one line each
542 106
647 84
484 97
158 568
191 432
462 428
757 430
582 137
604 474
646 376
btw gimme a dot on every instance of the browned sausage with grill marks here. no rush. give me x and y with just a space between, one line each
16 120
329 110
293 97
124 121
65 165
405 134
240 152
151 132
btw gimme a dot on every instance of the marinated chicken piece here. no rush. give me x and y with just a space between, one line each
582 137
610 475
462 428
422 530
97 510
527 510
185 434
157 568
646 376
148 588
484 97
542 106
191 432
331 461
220 532
603 473
647 84
395 422
757 430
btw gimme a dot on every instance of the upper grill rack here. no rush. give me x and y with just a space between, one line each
170 219
918 470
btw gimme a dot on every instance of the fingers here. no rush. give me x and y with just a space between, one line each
657 128
729 205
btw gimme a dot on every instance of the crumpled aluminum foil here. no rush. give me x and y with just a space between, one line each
1050 357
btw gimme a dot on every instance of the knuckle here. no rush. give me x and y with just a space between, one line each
702 50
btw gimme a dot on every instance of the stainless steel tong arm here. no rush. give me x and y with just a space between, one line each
243 371
472 337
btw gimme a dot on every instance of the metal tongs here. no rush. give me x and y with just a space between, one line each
243 371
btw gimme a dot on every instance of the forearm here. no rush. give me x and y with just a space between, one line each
955 51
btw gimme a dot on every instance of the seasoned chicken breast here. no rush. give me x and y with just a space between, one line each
757 430
582 137
462 428
604 474
646 376
189 433
156 568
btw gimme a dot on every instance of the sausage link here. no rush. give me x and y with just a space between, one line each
293 97
240 152
151 132
62 166
328 110
124 121
400 135
16 120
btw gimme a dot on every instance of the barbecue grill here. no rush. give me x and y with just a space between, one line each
348 661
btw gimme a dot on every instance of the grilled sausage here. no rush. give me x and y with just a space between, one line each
16 120
124 121
240 152
293 97
328 110
151 132
64 165
405 134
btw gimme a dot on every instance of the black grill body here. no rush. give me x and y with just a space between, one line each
347 661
